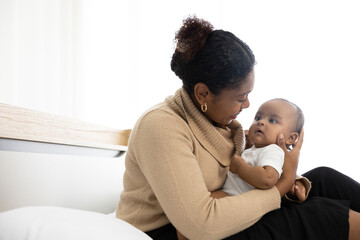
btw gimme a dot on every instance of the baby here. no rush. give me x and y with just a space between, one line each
261 164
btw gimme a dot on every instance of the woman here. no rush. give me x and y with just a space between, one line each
180 150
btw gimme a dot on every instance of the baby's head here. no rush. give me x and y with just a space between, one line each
274 117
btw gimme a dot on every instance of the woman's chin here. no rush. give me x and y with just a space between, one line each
225 123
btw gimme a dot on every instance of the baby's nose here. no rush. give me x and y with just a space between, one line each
260 122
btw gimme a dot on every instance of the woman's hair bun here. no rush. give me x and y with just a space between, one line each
192 36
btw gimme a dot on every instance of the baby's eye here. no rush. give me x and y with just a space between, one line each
257 118
272 120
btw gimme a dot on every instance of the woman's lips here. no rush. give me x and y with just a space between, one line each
235 115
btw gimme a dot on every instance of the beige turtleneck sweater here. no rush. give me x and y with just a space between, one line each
175 158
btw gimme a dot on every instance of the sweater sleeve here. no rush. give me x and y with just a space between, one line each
165 152
307 185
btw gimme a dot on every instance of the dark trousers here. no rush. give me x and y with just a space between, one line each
329 183
326 183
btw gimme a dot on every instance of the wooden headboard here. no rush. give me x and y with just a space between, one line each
29 125
52 160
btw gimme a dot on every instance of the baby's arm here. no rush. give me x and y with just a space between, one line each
261 177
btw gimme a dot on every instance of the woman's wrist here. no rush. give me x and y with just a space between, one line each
287 178
285 183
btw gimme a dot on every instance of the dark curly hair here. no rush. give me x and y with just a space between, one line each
216 58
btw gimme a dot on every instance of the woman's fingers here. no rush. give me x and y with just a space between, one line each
281 142
300 141
300 191
297 145
292 191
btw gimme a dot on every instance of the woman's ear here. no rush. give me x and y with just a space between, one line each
201 92
291 139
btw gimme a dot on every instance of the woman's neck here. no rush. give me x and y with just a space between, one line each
198 106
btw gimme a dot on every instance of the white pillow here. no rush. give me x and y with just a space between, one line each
56 223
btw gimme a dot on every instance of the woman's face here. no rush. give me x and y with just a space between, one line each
224 107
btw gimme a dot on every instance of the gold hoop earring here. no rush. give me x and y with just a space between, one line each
204 107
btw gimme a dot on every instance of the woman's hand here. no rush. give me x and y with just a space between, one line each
298 191
218 194
180 236
287 178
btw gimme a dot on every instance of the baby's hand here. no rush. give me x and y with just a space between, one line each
248 143
236 161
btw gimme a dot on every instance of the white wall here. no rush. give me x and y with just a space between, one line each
107 61
37 54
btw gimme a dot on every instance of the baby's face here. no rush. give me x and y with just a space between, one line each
273 117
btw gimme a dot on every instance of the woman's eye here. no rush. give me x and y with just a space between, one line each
244 99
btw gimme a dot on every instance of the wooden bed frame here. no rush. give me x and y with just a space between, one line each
51 160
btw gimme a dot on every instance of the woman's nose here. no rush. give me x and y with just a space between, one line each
245 104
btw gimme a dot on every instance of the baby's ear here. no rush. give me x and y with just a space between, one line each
291 139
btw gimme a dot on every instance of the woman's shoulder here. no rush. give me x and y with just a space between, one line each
160 112
160 117
160 122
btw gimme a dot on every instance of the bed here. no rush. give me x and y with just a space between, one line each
60 178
